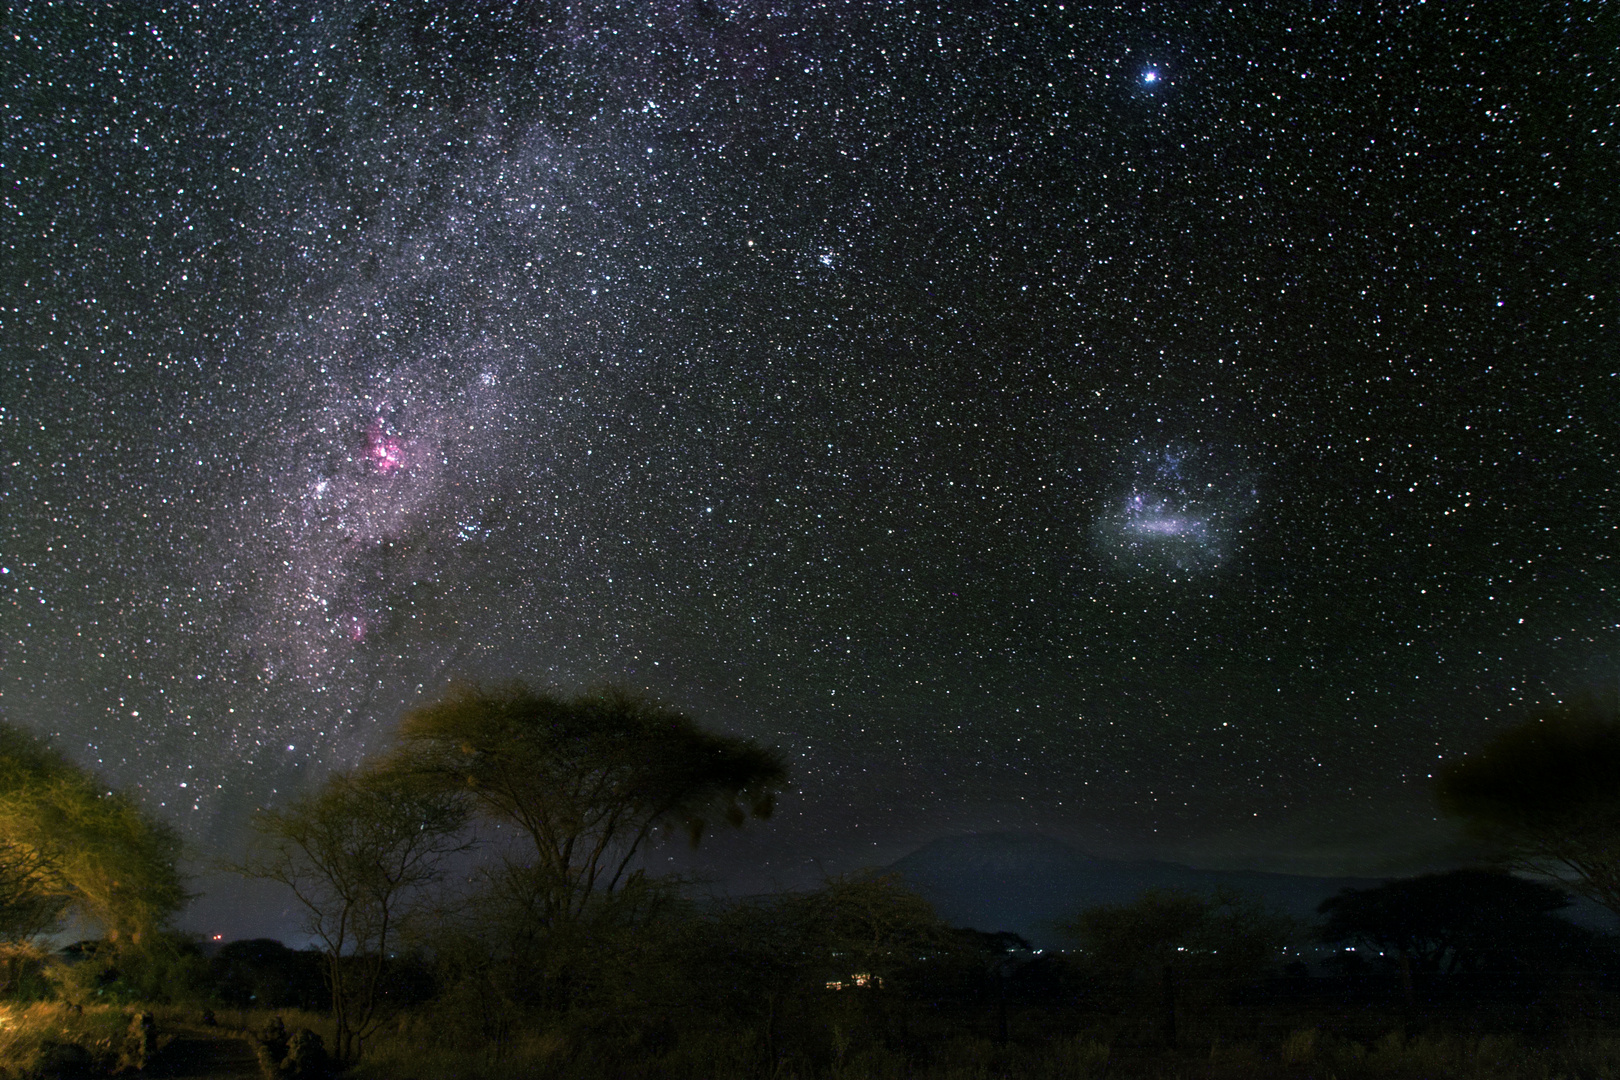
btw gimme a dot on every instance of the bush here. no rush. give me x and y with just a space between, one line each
166 968
262 973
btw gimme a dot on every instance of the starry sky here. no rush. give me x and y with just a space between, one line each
1164 425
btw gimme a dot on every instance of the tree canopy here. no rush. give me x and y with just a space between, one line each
73 845
1456 921
588 779
1546 794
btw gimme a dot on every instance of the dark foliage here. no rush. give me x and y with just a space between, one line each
1461 921
262 973
163 968
587 780
1546 793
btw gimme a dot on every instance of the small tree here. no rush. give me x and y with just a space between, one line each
358 854
586 781
1546 794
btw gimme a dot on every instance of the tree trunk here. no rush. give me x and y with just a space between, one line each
1170 1005
1001 1004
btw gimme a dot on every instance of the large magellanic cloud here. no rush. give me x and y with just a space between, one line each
1176 510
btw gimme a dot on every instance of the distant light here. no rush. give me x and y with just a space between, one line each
1150 76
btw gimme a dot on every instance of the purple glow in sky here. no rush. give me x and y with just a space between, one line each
384 451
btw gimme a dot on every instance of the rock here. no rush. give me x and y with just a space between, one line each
306 1057
271 1046
139 1042
63 1059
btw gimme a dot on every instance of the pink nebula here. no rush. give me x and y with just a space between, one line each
385 451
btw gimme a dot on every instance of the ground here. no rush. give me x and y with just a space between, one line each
204 1053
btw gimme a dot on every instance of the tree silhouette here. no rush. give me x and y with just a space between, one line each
1456 921
357 854
1546 794
586 780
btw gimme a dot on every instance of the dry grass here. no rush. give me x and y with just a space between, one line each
246 1021
50 1037
37 1040
1305 1054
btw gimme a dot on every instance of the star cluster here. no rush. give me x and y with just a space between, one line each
1155 415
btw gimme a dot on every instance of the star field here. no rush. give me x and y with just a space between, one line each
1147 415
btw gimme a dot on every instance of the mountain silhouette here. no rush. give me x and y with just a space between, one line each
1024 882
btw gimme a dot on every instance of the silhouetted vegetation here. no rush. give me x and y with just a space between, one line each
1171 950
359 855
861 979
262 973
1546 794
555 956
587 781
1464 921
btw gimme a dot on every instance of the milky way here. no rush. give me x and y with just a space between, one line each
1033 417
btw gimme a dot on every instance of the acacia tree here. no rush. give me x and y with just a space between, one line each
358 854
1546 795
1455 921
587 781
31 897
71 845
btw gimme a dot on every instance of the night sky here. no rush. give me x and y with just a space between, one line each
1167 426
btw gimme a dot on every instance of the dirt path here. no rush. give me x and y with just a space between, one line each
204 1054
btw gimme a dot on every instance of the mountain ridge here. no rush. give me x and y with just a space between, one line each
1026 881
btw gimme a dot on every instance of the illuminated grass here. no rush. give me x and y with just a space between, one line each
37 1038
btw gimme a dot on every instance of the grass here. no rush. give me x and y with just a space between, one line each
1304 1054
246 1021
49 1037
53 1038
1309 1053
